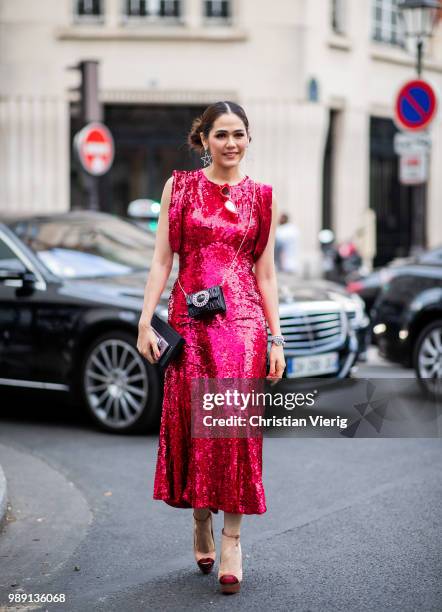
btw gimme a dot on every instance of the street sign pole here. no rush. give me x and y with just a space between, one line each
90 110
415 108
418 233
418 229
92 187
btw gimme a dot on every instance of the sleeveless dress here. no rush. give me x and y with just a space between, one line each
216 473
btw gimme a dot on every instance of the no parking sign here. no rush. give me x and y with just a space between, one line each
416 105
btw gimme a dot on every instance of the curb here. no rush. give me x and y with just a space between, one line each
3 497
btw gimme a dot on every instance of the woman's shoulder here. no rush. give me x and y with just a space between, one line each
179 178
185 173
260 183
265 189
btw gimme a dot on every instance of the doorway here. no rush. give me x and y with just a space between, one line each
390 200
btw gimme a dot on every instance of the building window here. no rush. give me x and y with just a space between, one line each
152 10
338 16
217 10
387 26
88 10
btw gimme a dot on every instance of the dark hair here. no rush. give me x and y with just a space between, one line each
204 122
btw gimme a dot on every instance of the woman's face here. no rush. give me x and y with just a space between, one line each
227 140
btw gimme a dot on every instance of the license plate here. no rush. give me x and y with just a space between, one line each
312 365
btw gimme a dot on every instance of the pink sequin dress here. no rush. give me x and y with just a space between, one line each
216 473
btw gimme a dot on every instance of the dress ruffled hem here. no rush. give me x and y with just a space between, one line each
222 507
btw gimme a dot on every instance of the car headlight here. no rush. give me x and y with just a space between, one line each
355 309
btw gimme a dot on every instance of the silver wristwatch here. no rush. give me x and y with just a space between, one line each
278 340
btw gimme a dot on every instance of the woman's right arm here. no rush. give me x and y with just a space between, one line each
161 266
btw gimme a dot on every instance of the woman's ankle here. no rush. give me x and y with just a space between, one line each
233 534
201 514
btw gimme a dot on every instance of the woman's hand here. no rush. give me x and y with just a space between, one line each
147 343
277 363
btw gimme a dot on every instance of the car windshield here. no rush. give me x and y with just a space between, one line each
87 247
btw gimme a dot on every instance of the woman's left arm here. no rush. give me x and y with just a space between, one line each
265 273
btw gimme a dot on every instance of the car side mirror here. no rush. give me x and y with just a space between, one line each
27 278
9 274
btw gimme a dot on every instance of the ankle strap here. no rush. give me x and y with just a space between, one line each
230 536
205 519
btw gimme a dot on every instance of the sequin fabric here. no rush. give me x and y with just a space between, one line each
220 473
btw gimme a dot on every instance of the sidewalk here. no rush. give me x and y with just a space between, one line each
3 496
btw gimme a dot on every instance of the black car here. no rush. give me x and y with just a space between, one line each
71 293
407 319
369 286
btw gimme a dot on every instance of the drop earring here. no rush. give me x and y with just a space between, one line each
206 158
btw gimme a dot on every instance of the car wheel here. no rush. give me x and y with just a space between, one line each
120 389
427 359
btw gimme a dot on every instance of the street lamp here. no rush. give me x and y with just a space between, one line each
419 18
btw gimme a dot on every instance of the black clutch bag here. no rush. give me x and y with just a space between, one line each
208 300
170 341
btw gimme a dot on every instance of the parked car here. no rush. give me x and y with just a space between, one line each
325 328
407 319
71 292
70 296
369 286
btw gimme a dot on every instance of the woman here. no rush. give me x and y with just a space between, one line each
206 216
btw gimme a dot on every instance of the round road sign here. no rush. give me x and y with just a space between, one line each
95 148
416 105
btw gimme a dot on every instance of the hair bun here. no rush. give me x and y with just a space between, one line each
194 138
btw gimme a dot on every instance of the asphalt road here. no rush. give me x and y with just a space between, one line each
351 524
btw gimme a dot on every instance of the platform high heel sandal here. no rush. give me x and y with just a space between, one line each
205 560
231 583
